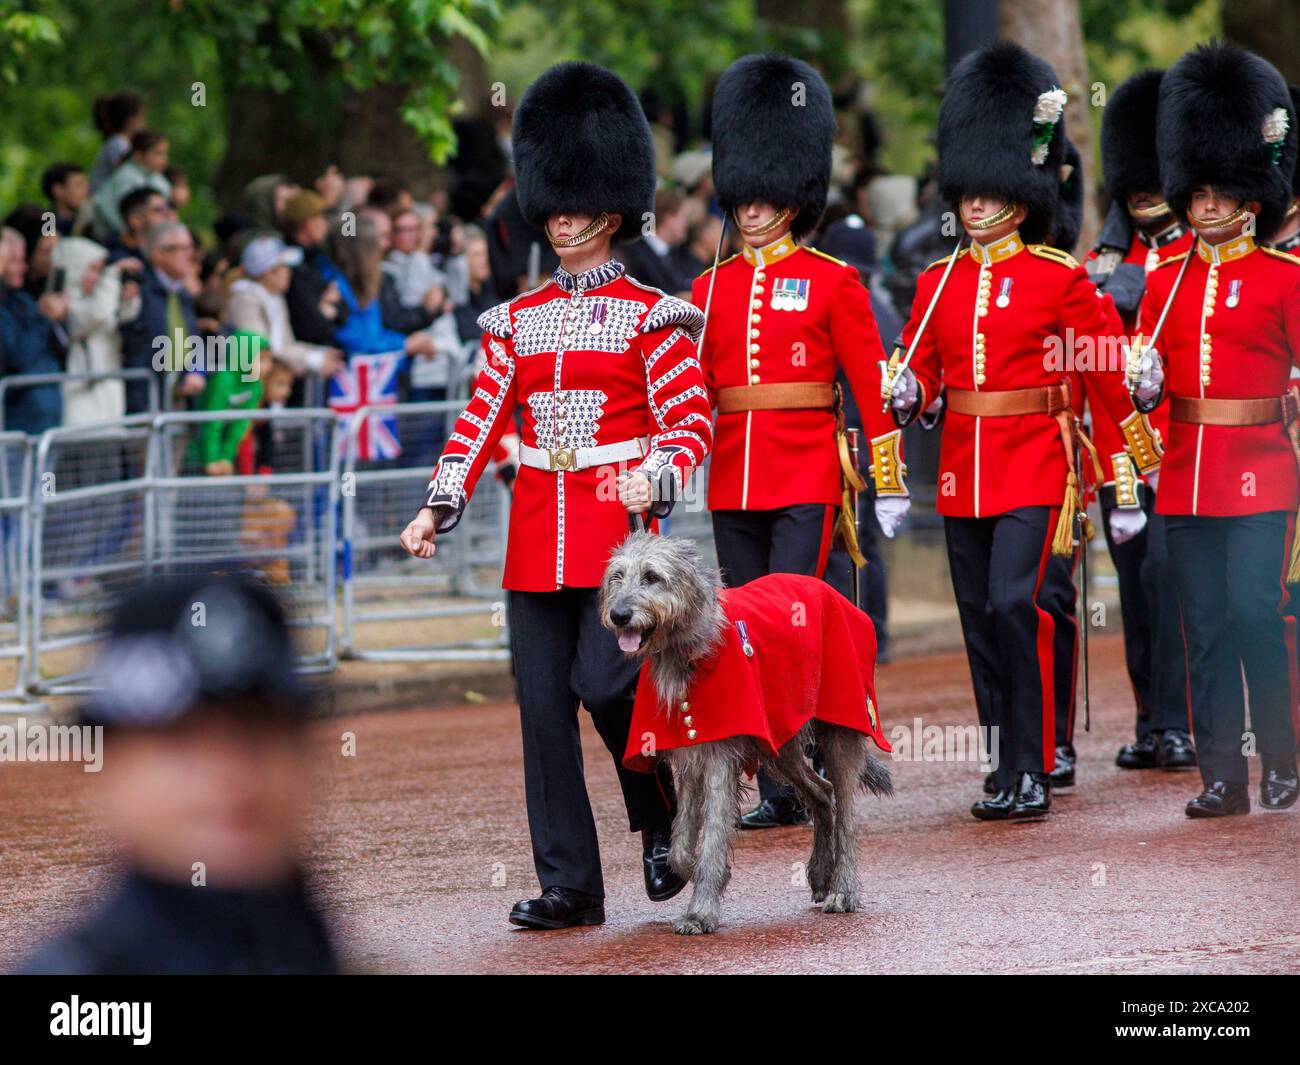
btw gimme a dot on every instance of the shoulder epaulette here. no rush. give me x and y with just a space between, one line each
1046 251
720 265
942 262
1286 256
1172 259
822 254
496 320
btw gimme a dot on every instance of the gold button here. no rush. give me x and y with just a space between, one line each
755 318
753 348
979 378
690 734
688 721
685 705
753 334
754 379
757 304
753 363
759 276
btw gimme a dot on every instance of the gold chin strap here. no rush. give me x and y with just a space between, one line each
598 225
994 220
1149 214
765 227
1293 210
1222 223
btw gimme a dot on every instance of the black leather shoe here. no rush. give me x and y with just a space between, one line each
990 785
1139 755
1220 799
775 813
661 883
997 808
1063 774
1174 750
1279 787
1033 796
559 907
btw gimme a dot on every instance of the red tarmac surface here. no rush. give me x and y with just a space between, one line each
421 847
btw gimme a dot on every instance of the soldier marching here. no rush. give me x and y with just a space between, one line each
610 375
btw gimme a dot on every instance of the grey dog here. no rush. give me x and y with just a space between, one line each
661 601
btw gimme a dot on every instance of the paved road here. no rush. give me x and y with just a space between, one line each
421 848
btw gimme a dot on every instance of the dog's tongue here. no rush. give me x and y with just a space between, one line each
629 642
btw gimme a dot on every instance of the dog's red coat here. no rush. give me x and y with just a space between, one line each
813 656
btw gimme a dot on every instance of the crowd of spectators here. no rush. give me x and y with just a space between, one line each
107 272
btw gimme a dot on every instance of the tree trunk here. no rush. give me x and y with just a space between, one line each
1269 27
362 132
1052 29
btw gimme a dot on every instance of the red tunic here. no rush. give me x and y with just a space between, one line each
783 314
813 656
596 360
1004 322
1233 333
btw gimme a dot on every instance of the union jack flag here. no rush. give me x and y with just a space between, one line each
369 381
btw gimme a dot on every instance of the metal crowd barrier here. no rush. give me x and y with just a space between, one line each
18 382
396 608
15 526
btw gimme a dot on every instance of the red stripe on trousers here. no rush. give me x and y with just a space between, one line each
824 552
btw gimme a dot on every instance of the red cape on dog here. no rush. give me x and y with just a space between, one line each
794 649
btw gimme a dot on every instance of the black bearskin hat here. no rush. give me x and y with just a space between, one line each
1069 209
582 144
1128 137
1002 133
773 124
1222 116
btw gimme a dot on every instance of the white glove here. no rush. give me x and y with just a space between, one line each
1149 376
1126 523
890 512
904 390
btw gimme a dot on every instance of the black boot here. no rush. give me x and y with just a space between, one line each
1279 786
1174 750
1063 774
1140 755
1220 799
990 785
996 808
1033 796
775 813
559 907
661 883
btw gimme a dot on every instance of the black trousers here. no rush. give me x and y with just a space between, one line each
754 543
1009 592
563 657
1148 604
1230 574
873 577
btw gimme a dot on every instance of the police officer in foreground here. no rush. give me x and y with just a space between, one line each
1141 231
204 786
1226 133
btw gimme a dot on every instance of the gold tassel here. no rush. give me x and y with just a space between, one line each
1293 570
847 529
1063 541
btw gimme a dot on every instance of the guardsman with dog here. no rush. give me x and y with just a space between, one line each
1219 334
1003 317
1139 233
782 319
615 419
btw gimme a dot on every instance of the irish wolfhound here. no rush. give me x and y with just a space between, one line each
665 607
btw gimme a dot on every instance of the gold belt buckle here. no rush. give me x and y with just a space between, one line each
562 458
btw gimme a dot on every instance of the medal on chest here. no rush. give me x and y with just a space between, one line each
1004 293
790 294
596 319
1153 260
1234 294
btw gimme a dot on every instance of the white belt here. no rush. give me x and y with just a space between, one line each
555 459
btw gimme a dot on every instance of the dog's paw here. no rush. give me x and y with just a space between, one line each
695 924
841 902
